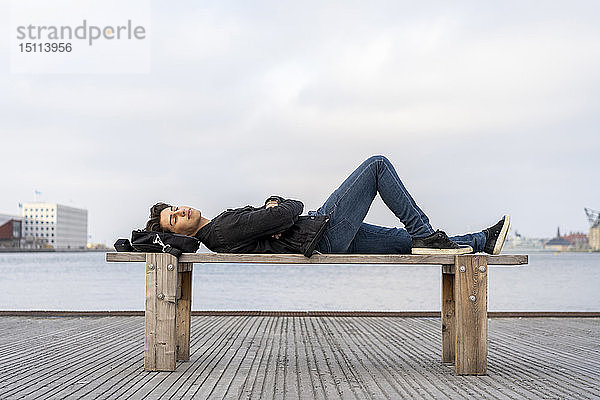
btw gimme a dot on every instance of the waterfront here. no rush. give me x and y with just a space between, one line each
84 281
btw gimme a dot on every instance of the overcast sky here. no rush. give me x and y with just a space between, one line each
483 109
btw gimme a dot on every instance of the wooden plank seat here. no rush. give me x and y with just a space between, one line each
464 299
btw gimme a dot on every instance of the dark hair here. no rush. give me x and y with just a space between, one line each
153 223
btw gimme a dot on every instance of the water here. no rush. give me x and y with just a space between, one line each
84 281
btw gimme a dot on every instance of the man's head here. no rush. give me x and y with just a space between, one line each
177 219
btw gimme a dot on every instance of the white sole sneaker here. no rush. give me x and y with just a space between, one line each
429 251
502 235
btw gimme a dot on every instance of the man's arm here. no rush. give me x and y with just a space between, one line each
269 220
272 202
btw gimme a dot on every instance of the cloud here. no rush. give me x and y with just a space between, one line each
483 108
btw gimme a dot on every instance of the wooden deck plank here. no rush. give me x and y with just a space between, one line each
136 378
29 375
410 342
583 368
404 347
388 361
372 362
237 379
102 358
272 373
360 386
503 259
215 385
253 381
306 357
343 375
520 366
209 358
22 346
328 374
210 348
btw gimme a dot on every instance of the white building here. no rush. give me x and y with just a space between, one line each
55 225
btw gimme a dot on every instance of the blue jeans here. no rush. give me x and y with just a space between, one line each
348 205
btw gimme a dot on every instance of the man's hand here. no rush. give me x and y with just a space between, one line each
270 204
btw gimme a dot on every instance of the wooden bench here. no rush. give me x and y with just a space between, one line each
464 299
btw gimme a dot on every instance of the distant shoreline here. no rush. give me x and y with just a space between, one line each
538 250
13 250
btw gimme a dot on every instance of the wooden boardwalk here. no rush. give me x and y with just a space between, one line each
296 357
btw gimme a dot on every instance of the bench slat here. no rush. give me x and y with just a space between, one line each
507 259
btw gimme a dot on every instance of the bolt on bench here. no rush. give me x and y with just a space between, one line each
464 299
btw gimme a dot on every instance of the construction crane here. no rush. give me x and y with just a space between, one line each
593 217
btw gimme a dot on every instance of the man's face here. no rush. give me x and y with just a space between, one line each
180 219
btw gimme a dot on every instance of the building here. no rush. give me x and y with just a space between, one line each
558 243
594 238
55 225
579 240
10 230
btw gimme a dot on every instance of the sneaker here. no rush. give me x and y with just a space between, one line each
495 236
438 243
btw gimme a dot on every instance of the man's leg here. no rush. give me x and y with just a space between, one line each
476 240
374 239
348 205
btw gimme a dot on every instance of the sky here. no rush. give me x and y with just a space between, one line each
484 108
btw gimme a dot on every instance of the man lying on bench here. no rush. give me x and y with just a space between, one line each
336 227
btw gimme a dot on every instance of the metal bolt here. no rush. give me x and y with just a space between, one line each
463 268
482 268
161 296
170 267
151 266
472 298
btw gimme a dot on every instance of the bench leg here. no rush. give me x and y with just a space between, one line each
470 291
184 312
448 315
161 303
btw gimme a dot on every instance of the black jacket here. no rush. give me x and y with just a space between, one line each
249 229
